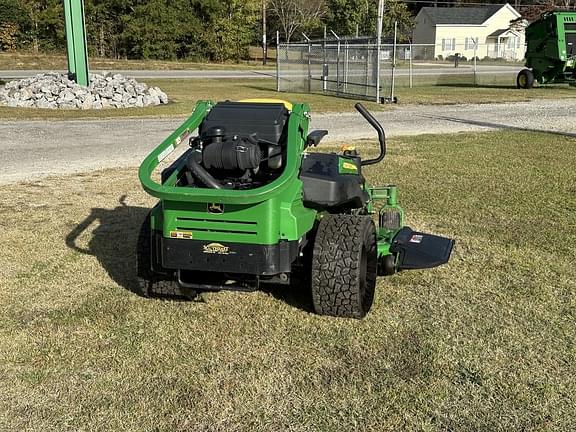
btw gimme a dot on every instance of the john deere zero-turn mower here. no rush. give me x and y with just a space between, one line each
248 204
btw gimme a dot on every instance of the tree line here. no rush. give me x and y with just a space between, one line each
214 30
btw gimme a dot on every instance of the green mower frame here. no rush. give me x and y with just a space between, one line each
249 204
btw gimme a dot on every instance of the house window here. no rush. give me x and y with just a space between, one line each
512 42
448 44
470 43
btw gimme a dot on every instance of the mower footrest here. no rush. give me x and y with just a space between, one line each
418 250
207 281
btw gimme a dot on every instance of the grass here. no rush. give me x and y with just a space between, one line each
184 93
483 343
30 61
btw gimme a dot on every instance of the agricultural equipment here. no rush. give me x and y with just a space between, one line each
551 50
249 204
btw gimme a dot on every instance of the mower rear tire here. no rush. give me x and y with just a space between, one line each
525 79
344 266
151 283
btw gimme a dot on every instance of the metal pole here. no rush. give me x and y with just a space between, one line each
76 41
324 65
393 63
378 47
264 44
346 66
337 62
475 56
367 64
278 61
410 64
309 63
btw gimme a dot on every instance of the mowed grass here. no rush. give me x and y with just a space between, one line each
31 61
485 343
184 93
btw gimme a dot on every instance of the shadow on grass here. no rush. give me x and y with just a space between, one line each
498 125
486 86
113 243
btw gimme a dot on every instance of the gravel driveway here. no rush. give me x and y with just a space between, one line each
32 149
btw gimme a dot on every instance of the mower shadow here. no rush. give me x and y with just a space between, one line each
113 243
297 294
113 240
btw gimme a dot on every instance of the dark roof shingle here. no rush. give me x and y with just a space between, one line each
461 15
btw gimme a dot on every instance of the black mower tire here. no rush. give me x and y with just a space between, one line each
344 266
525 79
151 283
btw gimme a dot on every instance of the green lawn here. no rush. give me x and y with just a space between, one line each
485 343
185 92
30 61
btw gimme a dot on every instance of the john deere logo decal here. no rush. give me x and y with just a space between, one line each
216 208
216 248
345 166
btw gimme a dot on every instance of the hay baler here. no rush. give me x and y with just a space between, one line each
550 51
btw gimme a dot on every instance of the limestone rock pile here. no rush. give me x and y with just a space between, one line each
55 90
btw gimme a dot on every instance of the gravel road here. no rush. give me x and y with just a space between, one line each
430 69
33 149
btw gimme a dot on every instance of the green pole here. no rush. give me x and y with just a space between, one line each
76 41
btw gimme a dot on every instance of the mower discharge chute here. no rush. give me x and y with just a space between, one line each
247 204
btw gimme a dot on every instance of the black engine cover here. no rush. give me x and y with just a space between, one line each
266 120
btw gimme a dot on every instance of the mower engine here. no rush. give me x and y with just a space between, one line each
233 157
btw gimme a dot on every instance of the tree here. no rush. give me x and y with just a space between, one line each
13 23
397 11
105 21
296 15
154 29
232 30
345 17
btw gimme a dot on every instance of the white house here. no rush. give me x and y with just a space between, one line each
481 31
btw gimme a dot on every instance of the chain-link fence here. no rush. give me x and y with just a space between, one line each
349 67
346 67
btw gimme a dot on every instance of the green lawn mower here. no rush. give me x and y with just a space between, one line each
248 204
550 50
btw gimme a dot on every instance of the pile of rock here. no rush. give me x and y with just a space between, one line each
55 90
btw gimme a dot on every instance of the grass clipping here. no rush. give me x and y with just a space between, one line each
483 343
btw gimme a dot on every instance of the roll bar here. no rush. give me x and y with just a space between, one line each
381 135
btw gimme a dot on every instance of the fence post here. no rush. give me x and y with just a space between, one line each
309 63
367 63
337 62
475 56
410 73
379 46
278 61
324 64
346 66
393 63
